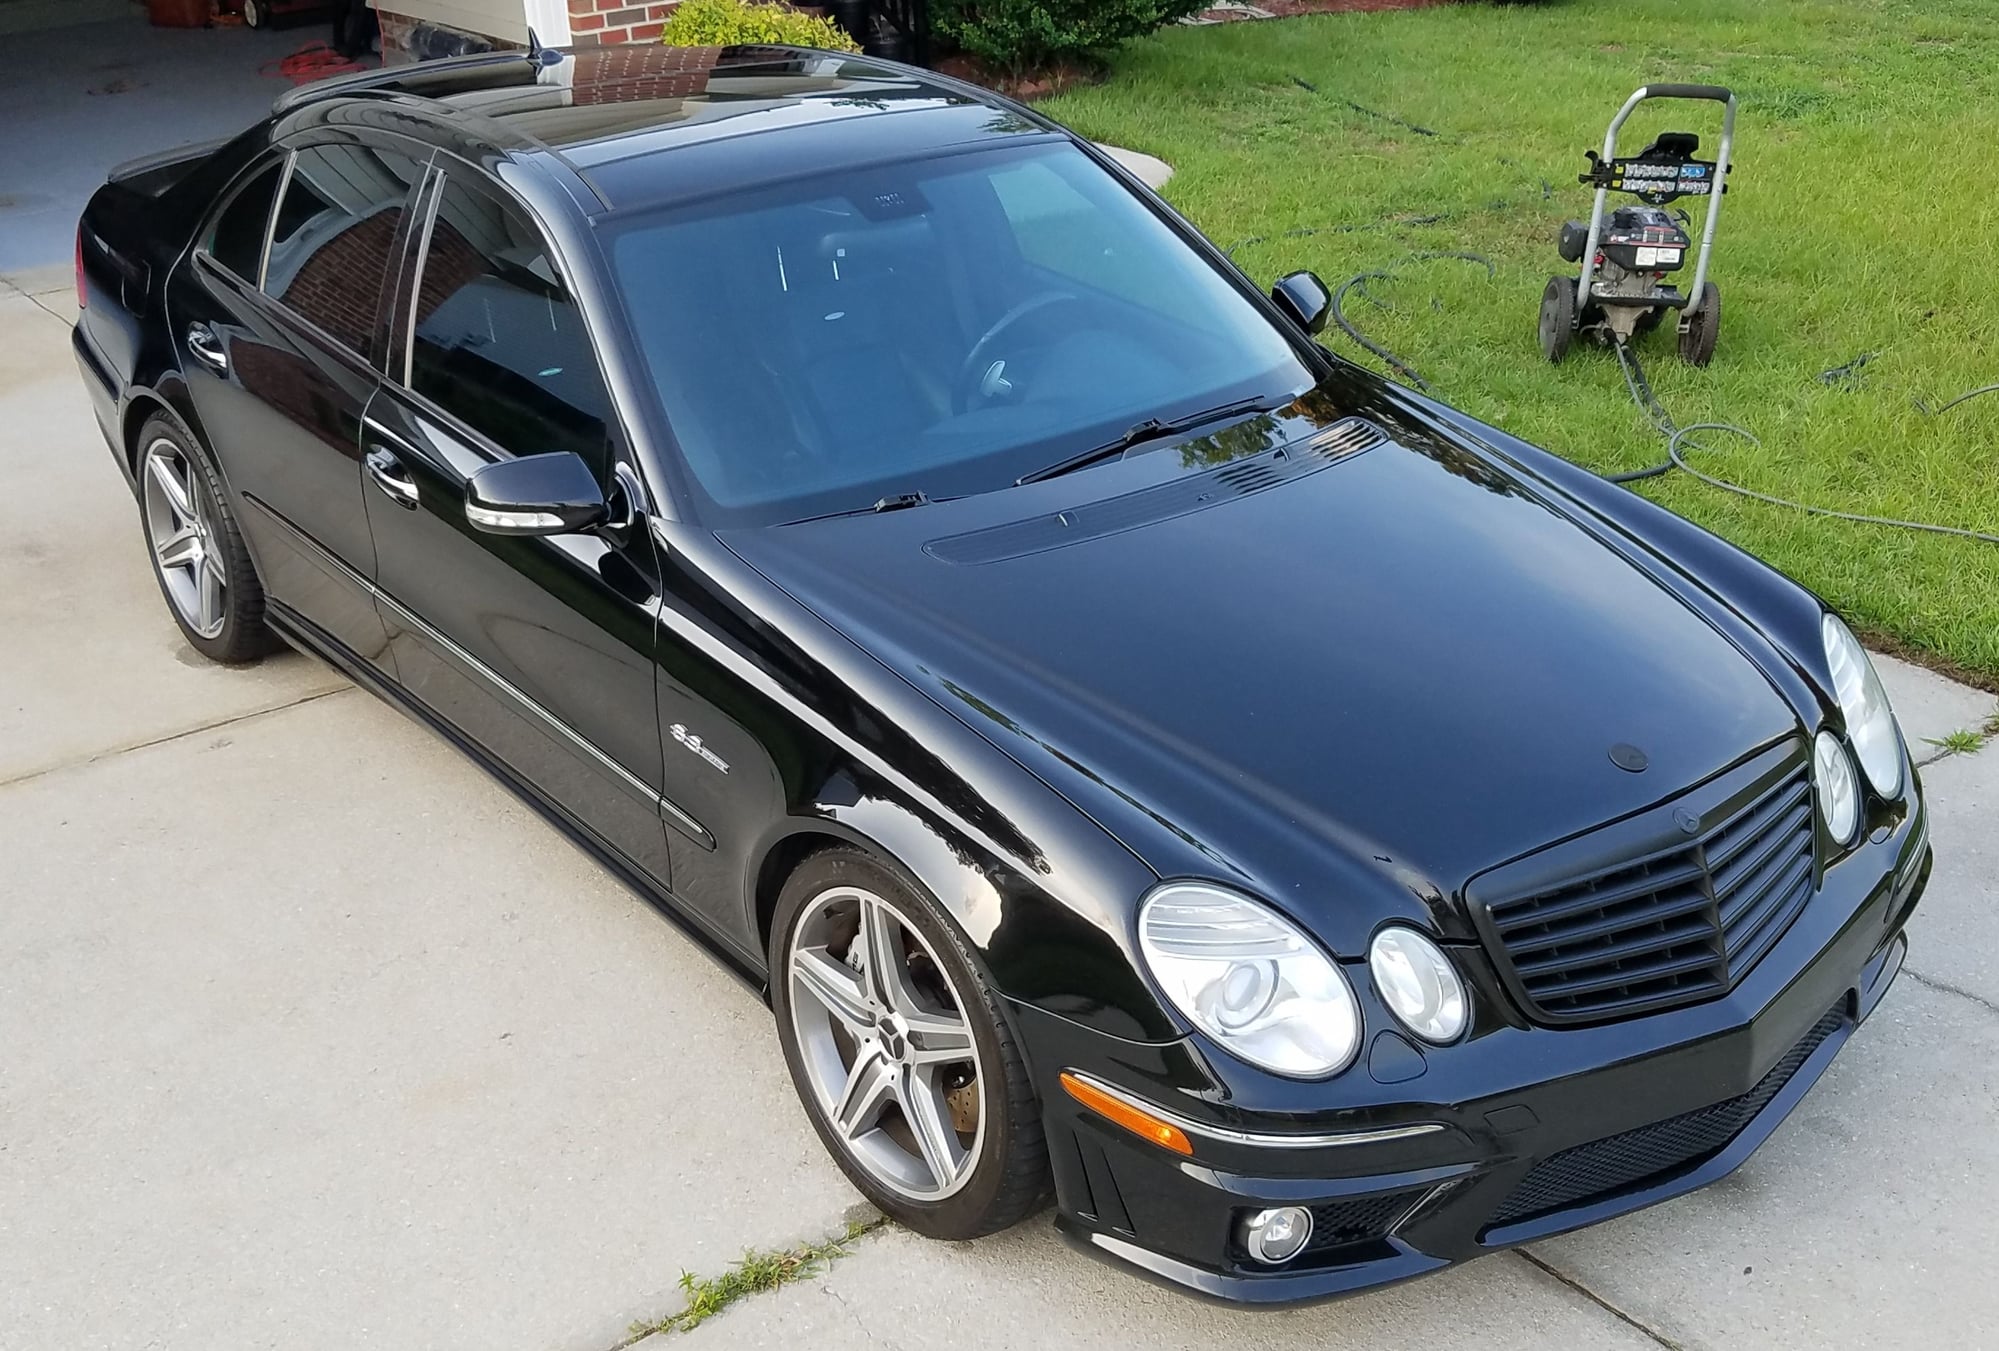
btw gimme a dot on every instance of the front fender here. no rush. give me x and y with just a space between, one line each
1063 957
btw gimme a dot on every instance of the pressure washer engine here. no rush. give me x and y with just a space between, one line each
1629 253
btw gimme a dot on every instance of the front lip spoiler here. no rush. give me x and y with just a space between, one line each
1259 1139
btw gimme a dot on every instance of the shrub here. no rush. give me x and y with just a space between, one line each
723 23
1019 35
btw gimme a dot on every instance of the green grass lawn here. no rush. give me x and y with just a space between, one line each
1863 219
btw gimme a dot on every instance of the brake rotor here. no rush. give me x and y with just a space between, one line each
964 1104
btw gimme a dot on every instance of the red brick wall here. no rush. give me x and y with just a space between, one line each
604 22
629 72
340 286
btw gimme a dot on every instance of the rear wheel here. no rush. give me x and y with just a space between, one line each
256 13
900 1052
1700 326
199 560
1558 317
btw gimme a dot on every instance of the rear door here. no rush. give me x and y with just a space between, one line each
280 326
540 650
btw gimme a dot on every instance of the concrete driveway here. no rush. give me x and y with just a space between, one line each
312 1036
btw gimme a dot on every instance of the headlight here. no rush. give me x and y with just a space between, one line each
1839 791
1249 979
1870 723
1418 983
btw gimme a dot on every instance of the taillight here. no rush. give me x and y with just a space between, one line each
82 292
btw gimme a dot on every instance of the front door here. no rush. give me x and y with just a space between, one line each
539 650
280 327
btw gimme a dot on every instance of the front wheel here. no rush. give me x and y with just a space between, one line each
1701 327
900 1051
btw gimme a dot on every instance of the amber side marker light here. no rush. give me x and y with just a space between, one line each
1134 1119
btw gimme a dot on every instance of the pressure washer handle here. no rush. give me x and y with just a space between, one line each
1638 96
1686 91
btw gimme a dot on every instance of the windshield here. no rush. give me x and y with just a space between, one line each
942 326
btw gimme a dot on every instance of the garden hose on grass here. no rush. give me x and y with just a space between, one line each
1648 403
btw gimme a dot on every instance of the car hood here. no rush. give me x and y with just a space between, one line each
1345 664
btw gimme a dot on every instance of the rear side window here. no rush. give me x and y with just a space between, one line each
334 231
237 239
497 341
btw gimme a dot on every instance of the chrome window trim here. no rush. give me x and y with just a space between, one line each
1259 1139
271 221
433 200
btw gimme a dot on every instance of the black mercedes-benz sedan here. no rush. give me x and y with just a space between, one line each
1138 754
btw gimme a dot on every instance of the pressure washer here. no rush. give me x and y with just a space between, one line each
1628 253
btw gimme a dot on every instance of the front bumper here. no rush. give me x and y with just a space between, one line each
1509 1137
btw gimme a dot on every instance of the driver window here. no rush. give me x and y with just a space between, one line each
498 342
1056 227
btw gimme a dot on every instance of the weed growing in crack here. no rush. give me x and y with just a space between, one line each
753 1274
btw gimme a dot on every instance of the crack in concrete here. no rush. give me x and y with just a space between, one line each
115 751
35 298
36 301
1945 987
1593 1297
854 1315
823 1253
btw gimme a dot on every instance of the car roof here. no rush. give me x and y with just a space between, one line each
645 123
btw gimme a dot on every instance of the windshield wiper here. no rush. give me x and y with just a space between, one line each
1151 429
893 502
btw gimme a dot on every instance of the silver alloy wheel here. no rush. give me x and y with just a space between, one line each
181 530
885 1042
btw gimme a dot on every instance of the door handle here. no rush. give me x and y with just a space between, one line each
201 341
391 477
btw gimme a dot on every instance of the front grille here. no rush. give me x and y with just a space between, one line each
1650 1154
1678 924
1359 1219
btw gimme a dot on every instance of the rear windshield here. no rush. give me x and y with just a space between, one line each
942 326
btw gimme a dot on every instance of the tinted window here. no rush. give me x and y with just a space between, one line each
335 227
237 239
1058 228
941 326
498 341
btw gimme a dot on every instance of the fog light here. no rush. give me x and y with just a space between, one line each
1278 1235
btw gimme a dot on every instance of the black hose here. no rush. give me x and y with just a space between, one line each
1648 403
1968 394
1360 279
1680 460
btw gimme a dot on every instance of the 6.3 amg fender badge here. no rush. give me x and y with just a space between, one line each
693 743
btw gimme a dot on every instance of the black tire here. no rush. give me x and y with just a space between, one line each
1009 1179
1700 326
256 13
242 635
1558 317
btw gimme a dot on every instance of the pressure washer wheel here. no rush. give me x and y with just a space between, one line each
1558 317
1700 326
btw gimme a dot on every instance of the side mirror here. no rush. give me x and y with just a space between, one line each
1305 298
553 494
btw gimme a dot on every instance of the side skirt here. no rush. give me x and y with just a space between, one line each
302 634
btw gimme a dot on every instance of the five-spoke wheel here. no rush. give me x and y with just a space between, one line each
203 569
899 1050
885 1043
179 529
